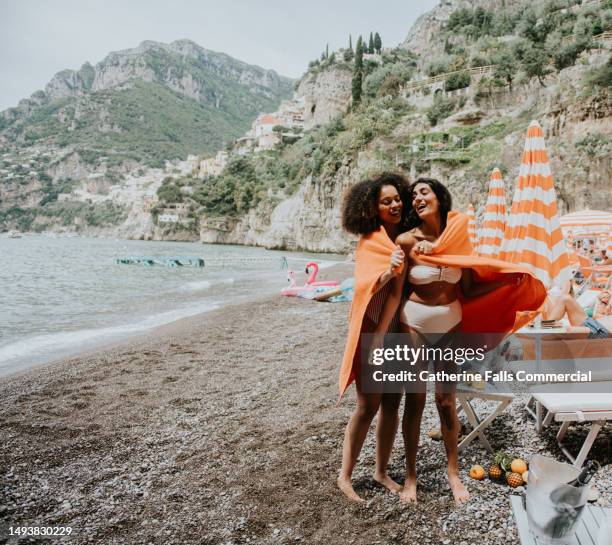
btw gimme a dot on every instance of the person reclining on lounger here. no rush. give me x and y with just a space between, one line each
602 307
560 302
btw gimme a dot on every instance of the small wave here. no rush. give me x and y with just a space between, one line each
203 285
199 285
24 353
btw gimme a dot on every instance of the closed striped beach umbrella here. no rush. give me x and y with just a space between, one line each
533 236
494 223
472 226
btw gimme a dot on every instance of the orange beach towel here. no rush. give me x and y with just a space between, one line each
500 311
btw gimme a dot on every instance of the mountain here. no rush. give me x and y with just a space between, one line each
134 110
154 102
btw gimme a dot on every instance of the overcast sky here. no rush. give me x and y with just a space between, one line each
41 37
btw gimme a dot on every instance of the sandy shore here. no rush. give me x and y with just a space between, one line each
223 428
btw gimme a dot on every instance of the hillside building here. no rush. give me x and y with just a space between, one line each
213 166
174 213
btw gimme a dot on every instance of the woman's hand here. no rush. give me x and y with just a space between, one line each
378 341
394 269
396 261
516 279
424 247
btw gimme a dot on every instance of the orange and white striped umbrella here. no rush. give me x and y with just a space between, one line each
587 222
494 223
472 225
533 236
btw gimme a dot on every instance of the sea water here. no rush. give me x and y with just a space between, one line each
61 295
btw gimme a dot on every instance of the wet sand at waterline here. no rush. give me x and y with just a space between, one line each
223 428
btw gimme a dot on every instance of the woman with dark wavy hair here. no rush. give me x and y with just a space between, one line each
372 207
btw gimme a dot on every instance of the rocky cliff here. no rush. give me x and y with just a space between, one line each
181 65
327 94
424 36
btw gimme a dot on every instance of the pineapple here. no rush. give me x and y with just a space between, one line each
495 472
514 479
500 466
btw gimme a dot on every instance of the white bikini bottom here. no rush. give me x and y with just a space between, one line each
431 319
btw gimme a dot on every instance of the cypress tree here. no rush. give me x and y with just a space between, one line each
356 88
371 44
327 51
377 43
359 55
348 53
357 82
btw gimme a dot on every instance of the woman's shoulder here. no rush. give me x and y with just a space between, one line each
406 239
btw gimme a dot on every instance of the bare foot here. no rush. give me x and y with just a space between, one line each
435 434
459 490
387 482
346 486
408 494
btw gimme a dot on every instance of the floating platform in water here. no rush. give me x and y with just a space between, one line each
181 261
228 261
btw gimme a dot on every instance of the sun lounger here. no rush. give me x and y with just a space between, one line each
570 402
576 402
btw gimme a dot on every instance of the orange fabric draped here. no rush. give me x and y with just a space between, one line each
371 261
503 310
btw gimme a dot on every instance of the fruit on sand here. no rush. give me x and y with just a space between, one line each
518 466
495 472
514 479
477 472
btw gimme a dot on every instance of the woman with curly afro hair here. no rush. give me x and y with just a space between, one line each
371 206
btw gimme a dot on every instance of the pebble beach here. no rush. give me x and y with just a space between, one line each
224 428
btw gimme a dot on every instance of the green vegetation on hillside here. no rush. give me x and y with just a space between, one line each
269 177
524 41
64 214
145 123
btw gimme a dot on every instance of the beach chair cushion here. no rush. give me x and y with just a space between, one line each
576 398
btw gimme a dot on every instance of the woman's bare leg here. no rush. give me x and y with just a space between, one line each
386 429
354 436
447 410
411 429
566 304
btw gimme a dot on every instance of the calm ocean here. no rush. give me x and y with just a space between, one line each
60 295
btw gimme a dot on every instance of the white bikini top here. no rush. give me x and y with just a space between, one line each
425 274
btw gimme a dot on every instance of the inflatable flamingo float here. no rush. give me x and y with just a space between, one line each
293 290
313 276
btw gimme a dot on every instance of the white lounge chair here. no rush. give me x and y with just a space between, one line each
577 402
571 402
